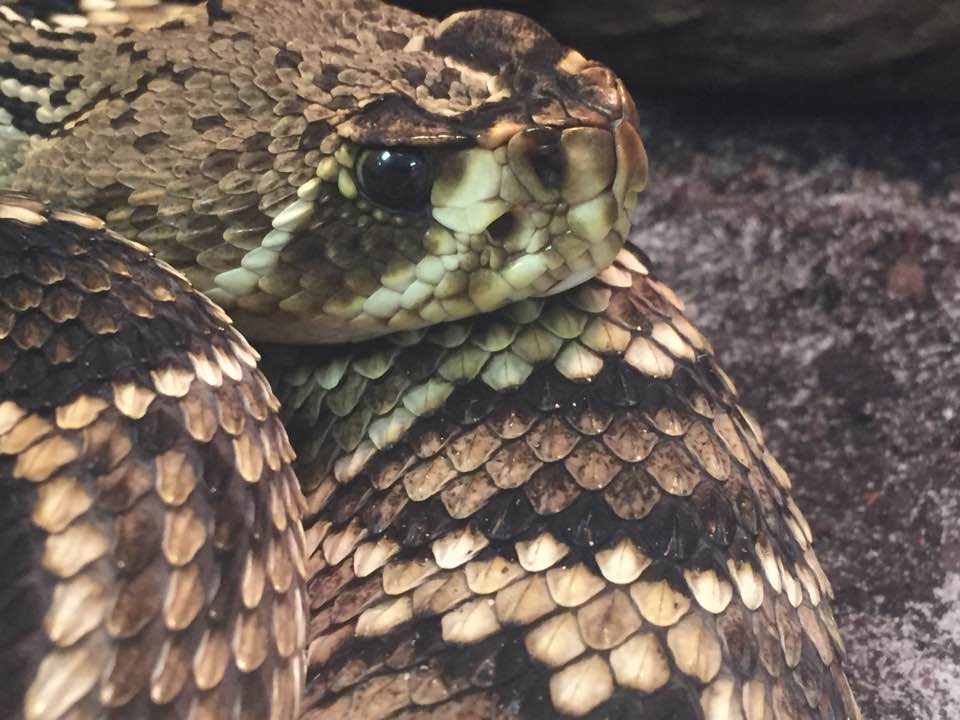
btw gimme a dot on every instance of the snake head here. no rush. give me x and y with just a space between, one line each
507 170
340 170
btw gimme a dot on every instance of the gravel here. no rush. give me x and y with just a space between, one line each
822 256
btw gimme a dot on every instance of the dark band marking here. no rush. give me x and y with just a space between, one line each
59 36
24 116
42 52
25 76
58 98
172 25
128 95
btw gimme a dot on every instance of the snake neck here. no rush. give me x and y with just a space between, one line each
52 76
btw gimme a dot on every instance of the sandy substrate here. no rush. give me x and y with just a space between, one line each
822 256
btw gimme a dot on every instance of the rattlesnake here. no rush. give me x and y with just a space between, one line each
519 490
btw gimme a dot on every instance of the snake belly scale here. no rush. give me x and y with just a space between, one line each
479 465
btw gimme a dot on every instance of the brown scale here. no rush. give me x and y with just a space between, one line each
609 538
151 552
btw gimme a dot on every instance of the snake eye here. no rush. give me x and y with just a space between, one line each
395 178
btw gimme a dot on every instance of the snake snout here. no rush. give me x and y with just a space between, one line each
543 211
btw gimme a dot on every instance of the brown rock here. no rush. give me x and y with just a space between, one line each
906 49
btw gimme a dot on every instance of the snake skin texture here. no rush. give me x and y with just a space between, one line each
151 551
557 511
520 491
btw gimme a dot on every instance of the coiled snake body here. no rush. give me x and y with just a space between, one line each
518 491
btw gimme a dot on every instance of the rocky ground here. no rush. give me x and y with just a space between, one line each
822 255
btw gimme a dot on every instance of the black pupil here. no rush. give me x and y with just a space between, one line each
396 178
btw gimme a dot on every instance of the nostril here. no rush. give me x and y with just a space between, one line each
591 153
548 162
501 228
